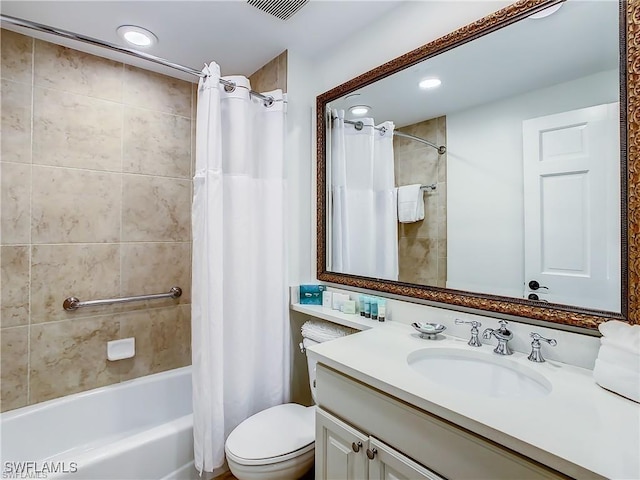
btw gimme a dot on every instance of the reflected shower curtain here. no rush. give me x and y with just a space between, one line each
364 201
240 323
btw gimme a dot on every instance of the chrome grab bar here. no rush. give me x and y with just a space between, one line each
73 303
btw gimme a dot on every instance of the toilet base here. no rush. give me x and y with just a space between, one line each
292 469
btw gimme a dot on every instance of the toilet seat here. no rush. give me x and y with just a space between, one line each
274 435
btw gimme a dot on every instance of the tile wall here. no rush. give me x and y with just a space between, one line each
422 246
96 202
271 75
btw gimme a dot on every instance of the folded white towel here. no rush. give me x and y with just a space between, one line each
622 335
410 203
614 355
324 331
620 380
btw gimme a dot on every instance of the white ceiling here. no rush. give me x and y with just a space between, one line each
237 36
578 40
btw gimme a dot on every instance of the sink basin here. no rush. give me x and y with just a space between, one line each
479 373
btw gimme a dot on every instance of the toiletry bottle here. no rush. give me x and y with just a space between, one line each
374 308
367 307
382 309
361 305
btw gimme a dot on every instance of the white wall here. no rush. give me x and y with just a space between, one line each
300 176
485 247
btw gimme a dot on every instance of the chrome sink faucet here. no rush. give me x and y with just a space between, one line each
503 335
535 355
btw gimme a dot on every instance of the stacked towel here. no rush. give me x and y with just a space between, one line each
323 331
410 203
618 363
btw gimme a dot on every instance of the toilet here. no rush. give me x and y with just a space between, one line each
276 443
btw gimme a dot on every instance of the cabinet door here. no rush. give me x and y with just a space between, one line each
388 464
340 449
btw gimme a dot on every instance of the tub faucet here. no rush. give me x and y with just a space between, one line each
503 335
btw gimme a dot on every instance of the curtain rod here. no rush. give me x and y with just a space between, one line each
360 125
19 22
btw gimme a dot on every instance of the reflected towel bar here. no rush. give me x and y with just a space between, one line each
431 187
73 303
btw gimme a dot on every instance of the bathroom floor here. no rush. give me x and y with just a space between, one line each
229 476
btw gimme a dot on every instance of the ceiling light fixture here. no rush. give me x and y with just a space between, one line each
429 83
138 36
546 12
359 109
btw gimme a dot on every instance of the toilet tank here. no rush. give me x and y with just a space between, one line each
311 365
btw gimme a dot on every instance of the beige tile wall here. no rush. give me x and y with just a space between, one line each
422 246
271 76
96 202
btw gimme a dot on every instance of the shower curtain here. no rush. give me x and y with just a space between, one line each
240 323
364 201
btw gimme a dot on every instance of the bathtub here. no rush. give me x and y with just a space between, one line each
135 430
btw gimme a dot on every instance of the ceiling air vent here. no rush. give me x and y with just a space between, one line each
283 9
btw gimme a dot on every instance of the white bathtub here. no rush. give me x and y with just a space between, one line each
135 430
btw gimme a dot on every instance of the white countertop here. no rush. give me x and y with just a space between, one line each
577 426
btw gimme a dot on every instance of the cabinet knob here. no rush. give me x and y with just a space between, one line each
371 453
356 446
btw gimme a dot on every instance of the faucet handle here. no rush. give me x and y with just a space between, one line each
474 341
473 323
537 337
535 355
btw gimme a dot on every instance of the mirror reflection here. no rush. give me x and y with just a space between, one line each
493 167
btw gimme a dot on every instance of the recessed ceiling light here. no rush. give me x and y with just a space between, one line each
430 83
138 36
359 109
546 12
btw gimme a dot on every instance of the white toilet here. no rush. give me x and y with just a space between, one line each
277 443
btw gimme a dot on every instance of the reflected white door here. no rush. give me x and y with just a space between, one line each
572 207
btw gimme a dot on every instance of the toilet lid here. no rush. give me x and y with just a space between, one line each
274 432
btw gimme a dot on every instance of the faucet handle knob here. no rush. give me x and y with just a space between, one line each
473 323
537 337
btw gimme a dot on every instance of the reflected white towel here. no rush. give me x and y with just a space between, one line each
622 335
410 203
622 381
323 331
614 355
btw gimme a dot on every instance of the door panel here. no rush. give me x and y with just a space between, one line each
336 458
571 207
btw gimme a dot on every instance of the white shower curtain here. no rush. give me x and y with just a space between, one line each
240 323
364 201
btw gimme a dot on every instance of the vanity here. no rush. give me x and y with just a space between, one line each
381 414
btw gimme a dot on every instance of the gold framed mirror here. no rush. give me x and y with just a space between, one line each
626 257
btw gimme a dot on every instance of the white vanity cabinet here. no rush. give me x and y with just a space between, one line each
344 453
409 442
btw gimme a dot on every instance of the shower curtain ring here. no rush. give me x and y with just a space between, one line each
229 87
268 102
383 130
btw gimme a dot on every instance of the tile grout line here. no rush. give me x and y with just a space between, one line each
30 256
111 172
120 243
121 102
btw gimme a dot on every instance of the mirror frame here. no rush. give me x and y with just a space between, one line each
629 179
